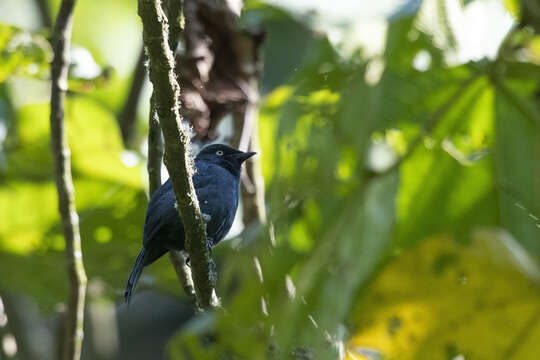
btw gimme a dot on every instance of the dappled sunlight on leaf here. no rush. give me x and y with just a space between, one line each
95 148
402 182
346 166
23 234
299 237
108 194
442 295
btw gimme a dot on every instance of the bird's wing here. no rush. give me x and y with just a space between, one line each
160 211
223 228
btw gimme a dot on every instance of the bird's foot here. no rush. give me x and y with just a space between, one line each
206 217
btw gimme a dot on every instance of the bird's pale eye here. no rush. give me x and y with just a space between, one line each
219 152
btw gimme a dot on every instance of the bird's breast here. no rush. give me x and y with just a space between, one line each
217 192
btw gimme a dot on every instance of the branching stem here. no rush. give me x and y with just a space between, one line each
73 335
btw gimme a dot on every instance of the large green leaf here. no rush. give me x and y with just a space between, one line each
516 166
109 200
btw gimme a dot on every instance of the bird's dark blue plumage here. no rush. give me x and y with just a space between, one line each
216 182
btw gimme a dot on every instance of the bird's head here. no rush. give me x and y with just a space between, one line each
225 156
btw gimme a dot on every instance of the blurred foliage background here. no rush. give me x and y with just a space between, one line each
401 156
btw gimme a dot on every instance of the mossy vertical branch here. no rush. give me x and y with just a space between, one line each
155 156
74 318
176 134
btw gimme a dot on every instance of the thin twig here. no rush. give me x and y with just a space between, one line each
254 202
73 335
248 140
252 189
177 136
128 115
250 117
183 271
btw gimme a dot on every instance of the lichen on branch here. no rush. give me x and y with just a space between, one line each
176 134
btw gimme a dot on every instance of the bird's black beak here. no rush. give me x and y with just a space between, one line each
243 156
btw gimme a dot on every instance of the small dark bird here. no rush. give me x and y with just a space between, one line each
216 182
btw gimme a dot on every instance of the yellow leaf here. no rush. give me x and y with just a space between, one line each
444 301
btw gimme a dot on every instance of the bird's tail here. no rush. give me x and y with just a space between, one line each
134 275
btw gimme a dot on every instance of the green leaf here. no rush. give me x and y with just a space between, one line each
443 300
23 53
108 195
517 152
